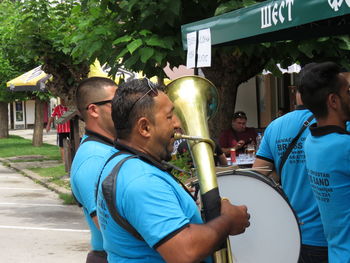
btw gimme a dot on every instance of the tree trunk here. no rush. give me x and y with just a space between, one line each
38 123
227 73
4 120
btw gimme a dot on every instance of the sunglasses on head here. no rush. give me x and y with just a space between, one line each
99 103
239 115
152 91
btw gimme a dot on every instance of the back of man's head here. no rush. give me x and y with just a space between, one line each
133 99
316 82
91 90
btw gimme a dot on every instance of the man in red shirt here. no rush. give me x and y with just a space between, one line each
63 130
238 136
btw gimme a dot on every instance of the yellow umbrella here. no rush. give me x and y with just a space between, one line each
33 80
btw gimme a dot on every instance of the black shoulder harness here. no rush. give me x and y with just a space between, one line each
109 186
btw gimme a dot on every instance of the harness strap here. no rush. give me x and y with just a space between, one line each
292 144
109 187
99 176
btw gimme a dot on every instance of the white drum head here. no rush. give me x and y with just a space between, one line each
273 235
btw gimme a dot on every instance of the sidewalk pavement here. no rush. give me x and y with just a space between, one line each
48 137
23 167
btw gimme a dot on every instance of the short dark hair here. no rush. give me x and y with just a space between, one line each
316 82
128 105
239 115
90 90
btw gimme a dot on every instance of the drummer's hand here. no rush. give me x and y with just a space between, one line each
237 214
239 144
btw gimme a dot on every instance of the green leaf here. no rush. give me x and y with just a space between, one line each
156 41
146 53
345 43
227 7
159 56
323 39
122 53
130 62
145 32
134 45
272 67
307 49
122 39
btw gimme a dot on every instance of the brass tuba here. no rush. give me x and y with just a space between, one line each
196 100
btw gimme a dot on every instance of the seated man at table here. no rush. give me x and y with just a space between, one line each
238 136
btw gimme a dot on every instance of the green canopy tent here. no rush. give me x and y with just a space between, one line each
275 20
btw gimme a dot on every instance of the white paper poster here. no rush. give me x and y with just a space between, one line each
191 50
204 48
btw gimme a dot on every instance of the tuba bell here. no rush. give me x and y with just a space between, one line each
196 100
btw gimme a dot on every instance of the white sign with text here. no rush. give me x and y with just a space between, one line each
204 48
191 49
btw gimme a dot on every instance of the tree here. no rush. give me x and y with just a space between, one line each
6 72
145 35
32 34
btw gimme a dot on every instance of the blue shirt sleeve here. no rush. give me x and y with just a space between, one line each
264 148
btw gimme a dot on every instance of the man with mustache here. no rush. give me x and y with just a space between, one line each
155 219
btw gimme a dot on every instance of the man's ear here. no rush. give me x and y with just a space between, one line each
143 127
333 100
93 111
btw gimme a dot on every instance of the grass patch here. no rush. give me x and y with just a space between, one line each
53 174
68 199
18 146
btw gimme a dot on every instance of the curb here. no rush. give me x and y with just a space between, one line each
37 178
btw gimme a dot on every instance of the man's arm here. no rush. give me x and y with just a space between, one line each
95 220
196 242
222 159
237 146
48 126
268 165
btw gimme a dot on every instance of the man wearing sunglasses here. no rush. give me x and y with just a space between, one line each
325 90
144 213
238 136
93 99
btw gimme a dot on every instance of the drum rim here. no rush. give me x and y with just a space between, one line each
276 187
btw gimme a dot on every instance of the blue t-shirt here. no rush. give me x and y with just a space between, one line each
152 202
328 162
86 167
295 183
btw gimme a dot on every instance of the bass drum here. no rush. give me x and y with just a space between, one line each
274 234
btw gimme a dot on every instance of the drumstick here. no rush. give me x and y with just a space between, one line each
263 168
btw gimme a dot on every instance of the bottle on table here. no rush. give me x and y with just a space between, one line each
258 140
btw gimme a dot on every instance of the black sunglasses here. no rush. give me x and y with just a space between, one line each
153 92
99 103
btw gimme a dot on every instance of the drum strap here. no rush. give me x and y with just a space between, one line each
292 144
